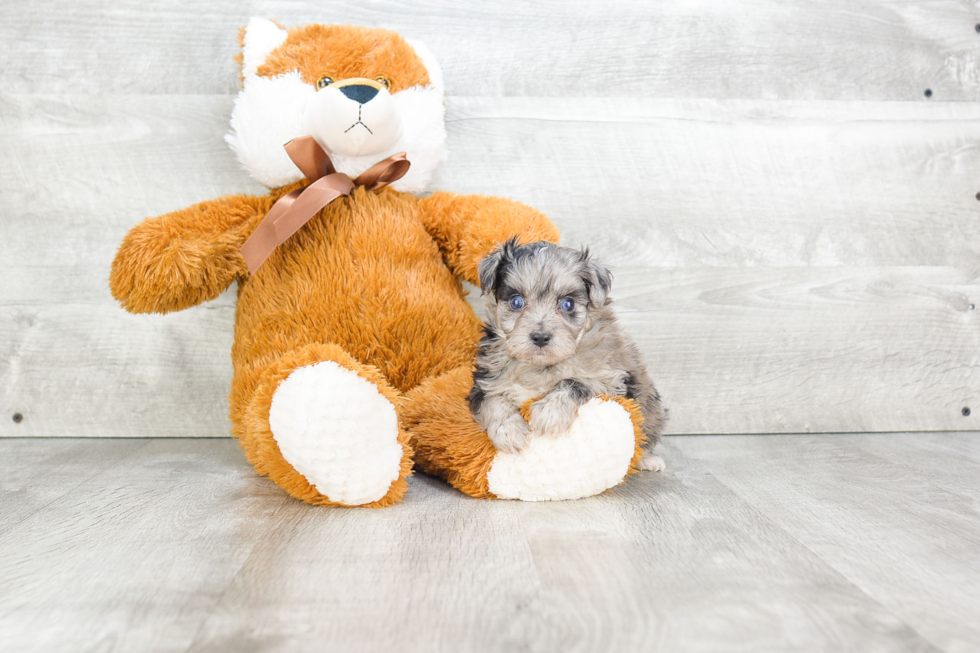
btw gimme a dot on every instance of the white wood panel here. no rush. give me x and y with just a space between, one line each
744 544
794 267
808 350
835 49
690 183
79 171
94 370
666 183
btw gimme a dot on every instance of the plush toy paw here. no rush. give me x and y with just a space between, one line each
337 430
593 455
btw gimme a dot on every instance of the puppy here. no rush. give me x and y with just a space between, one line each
551 334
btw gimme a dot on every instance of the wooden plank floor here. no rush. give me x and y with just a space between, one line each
747 543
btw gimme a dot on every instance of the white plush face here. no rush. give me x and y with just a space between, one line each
356 119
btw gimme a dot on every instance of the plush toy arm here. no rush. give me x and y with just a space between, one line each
469 227
180 259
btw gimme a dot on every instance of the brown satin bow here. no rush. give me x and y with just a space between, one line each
293 210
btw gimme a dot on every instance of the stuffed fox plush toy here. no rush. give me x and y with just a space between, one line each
354 345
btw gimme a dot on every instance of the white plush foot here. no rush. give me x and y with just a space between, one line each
338 431
593 456
651 462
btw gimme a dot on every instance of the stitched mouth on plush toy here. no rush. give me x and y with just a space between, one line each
362 125
360 107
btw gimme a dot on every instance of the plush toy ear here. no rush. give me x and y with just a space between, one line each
430 63
261 37
597 278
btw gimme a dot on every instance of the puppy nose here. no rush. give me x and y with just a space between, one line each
360 93
540 338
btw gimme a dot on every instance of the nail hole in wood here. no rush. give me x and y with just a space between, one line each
977 27
973 307
966 411
18 418
928 92
978 196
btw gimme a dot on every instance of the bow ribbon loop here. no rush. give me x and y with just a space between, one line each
384 172
293 210
309 157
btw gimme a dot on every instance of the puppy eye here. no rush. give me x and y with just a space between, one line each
567 305
517 302
324 82
381 79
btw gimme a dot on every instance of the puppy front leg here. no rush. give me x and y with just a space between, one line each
554 413
502 421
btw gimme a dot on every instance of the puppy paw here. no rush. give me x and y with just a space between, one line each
652 462
552 418
511 436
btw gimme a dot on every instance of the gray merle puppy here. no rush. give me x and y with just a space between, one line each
551 333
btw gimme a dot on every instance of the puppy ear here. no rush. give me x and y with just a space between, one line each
597 278
488 271
492 268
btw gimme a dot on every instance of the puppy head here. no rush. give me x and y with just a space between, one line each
363 94
540 298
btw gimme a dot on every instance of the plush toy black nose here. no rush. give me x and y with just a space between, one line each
360 93
540 338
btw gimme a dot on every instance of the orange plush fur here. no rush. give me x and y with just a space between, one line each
374 276
344 52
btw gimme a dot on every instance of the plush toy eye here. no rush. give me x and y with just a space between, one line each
517 302
324 82
567 305
381 79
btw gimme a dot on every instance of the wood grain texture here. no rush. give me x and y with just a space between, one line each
808 350
689 183
863 498
158 535
840 49
763 305
67 464
745 543
947 458
663 183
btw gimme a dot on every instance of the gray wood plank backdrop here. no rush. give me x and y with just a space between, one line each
788 194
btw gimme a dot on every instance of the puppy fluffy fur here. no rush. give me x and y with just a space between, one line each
551 335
